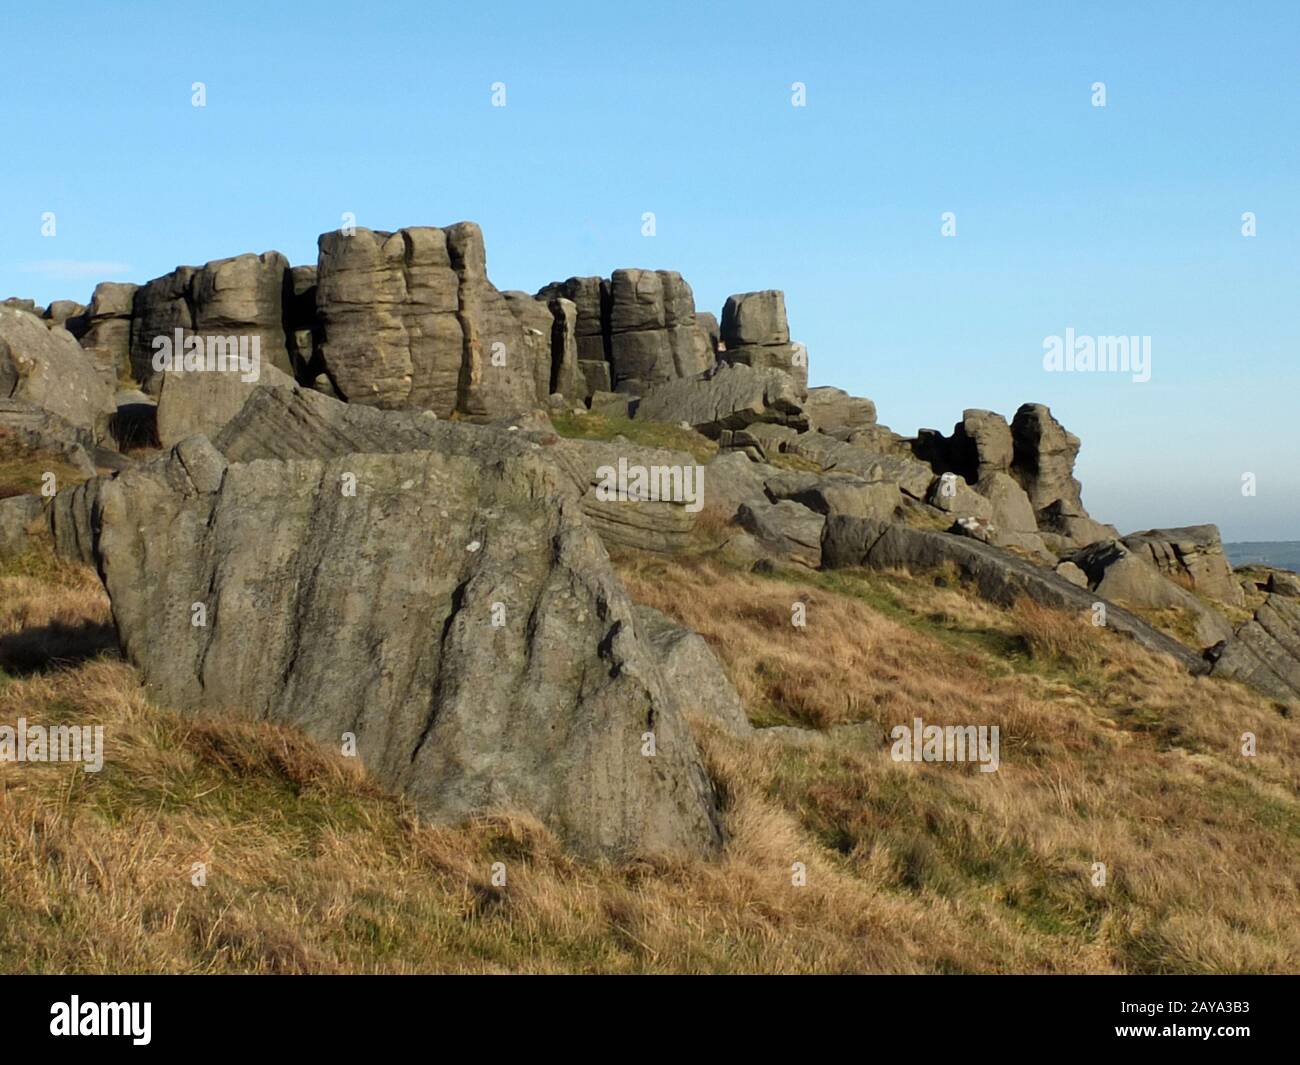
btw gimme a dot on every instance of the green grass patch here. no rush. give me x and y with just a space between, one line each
644 433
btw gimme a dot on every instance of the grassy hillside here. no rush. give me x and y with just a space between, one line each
1108 755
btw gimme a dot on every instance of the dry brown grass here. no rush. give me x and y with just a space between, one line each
910 868
22 469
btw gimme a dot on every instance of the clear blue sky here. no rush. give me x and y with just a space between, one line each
1115 220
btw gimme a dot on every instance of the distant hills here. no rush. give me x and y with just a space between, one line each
1284 554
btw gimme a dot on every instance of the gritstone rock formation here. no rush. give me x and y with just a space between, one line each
460 620
46 367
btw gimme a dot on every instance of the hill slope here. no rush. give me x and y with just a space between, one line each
1108 755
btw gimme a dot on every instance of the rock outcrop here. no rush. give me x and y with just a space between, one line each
725 397
755 333
1265 651
653 333
833 408
994 574
201 402
47 368
459 620
1043 463
105 329
410 319
1117 573
239 297
1192 556
285 423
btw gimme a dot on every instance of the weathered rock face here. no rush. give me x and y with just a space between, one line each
755 333
567 375
410 319
954 496
46 367
1117 573
538 325
549 333
239 297
390 333
708 321
1053 520
291 423
785 528
1265 652
35 428
690 669
1192 555
1044 459
640 354
20 523
190 404
845 495
833 408
591 296
105 329
726 397
654 336
981 444
868 463
460 620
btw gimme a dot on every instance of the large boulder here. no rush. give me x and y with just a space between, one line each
1192 556
202 402
460 620
105 329
833 408
1120 574
690 669
755 333
47 367
1044 459
785 528
725 397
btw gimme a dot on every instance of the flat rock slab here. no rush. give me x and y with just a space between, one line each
996 575
1265 652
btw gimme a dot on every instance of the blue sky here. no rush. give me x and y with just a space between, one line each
1120 220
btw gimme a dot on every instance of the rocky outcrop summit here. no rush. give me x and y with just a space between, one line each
379 534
